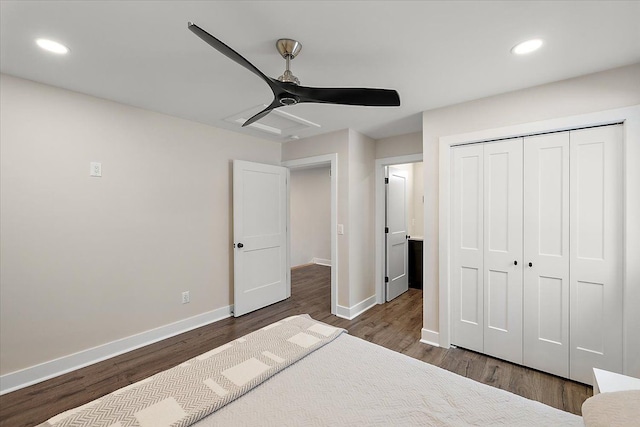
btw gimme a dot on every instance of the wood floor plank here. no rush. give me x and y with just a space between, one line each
396 325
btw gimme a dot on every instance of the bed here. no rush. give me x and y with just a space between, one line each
298 371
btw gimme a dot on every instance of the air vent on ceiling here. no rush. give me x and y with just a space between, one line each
278 124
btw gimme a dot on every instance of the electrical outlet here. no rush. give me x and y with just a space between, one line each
185 297
95 169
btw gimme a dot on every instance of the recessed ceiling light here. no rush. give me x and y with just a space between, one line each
52 46
527 47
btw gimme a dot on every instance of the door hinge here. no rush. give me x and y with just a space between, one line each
386 279
386 230
386 180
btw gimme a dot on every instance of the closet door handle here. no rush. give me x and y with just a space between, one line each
530 264
240 245
515 262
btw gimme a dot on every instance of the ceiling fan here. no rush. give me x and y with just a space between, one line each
287 90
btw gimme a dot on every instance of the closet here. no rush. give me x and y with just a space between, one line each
536 250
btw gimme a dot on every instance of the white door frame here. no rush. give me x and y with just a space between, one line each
332 161
631 152
380 216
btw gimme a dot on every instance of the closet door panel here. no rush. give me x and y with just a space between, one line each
596 251
546 253
502 268
467 247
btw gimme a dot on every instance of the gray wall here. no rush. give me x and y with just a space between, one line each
361 217
401 145
310 210
85 260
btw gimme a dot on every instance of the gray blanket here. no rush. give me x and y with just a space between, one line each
185 394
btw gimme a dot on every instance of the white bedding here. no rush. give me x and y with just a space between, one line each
352 382
308 373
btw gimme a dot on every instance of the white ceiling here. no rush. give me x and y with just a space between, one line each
434 53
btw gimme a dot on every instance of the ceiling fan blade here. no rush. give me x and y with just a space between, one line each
227 51
346 96
275 104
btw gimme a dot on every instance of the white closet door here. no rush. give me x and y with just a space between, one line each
596 251
546 253
467 247
503 249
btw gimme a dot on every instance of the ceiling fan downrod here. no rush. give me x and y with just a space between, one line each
288 49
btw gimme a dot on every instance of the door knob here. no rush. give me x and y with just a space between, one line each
515 262
240 245
530 264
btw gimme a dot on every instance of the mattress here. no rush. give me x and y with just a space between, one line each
298 371
353 382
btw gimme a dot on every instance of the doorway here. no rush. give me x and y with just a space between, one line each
404 228
315 166
414 220
310 209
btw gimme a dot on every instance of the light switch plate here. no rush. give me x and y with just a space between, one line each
340 229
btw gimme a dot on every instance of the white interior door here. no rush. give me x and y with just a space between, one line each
467 288
546 253
259 235
398 233
596 251
502 268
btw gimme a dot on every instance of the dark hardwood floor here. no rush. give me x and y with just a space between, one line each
395 325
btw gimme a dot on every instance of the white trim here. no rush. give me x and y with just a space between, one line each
379 216
321 261
352 312
332 161
631 118
430 337
53 368
306 264
343 312
288 237
443 244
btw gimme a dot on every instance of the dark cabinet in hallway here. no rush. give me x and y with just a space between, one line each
415 263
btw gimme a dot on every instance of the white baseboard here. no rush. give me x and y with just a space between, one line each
342 311
351 313
293 267
430 337
322 261
53 368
